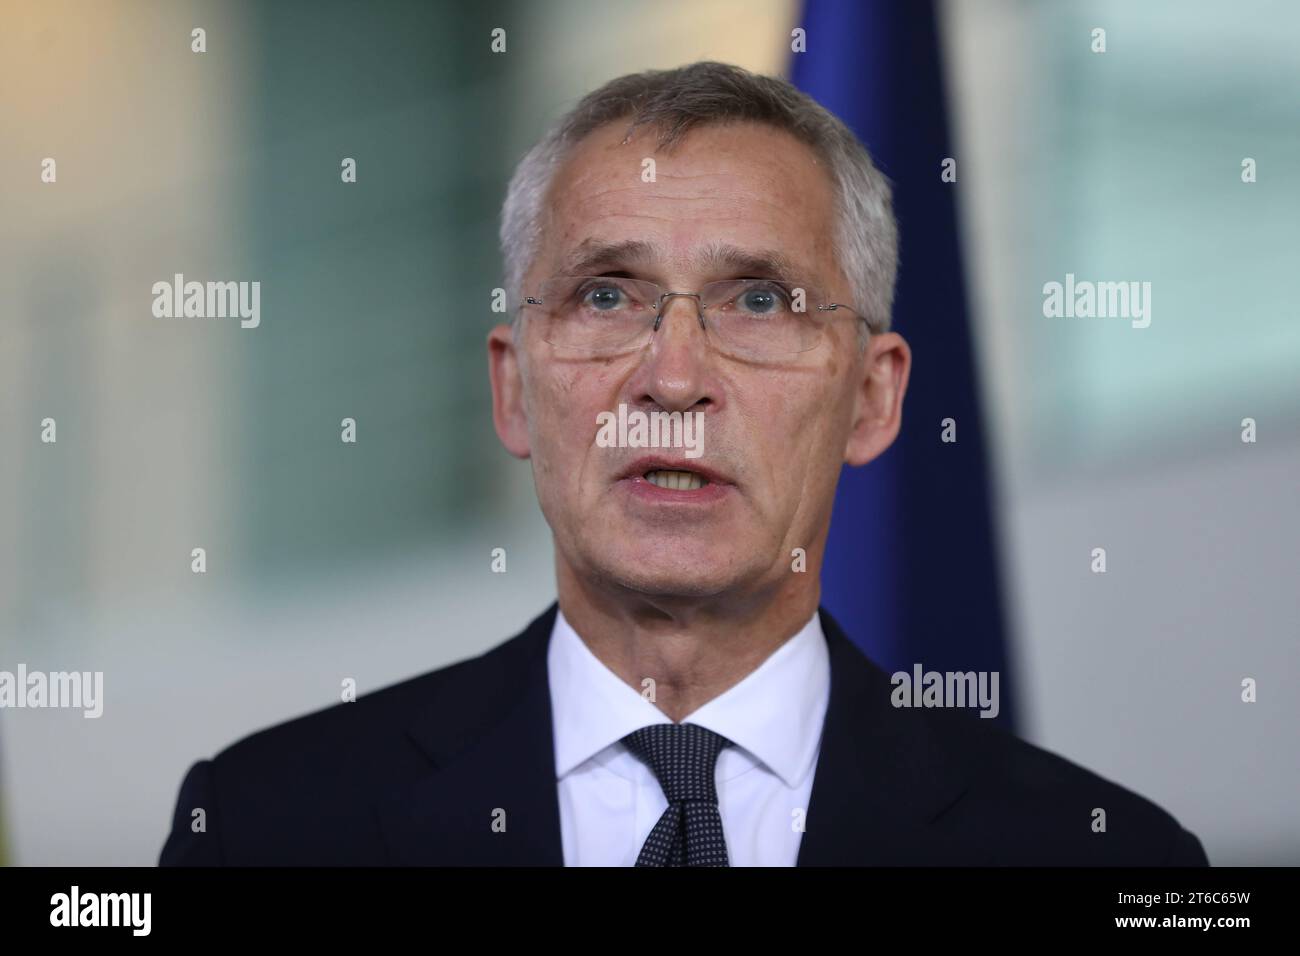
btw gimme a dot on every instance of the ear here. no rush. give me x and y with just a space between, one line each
508 412
878 403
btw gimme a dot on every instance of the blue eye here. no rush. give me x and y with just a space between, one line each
763 299
604 297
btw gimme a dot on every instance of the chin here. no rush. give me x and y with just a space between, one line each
671 571
672 585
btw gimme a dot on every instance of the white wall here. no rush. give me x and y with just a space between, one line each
1137 673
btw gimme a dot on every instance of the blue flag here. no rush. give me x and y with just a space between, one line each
911 564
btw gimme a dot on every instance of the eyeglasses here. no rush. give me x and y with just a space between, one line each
747 318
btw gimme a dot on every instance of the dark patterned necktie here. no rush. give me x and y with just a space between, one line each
684 758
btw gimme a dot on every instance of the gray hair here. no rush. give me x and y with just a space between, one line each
675 101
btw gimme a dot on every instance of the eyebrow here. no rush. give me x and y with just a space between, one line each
592 256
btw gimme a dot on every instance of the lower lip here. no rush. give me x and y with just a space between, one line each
643 490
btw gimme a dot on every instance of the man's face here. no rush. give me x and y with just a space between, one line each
775 433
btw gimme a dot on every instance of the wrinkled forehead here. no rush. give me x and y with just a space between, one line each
727 200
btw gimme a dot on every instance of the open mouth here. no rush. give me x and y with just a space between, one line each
676 480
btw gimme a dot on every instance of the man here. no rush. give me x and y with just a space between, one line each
712 250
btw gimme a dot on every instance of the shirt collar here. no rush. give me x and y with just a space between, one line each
775 712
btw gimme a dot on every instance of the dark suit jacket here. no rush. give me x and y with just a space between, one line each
413 773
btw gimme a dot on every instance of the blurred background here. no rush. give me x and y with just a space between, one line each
328 560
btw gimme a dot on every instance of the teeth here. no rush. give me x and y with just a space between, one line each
676 480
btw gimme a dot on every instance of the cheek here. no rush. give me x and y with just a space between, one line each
564 426
803 407
807 445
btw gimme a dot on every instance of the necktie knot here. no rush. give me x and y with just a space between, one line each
683 757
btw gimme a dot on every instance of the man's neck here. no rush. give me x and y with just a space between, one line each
692 649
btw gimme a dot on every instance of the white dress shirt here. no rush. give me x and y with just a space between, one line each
610 800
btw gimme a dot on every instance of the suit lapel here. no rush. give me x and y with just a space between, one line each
882 775
489 742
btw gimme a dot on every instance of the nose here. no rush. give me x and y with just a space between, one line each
675 374
666 302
